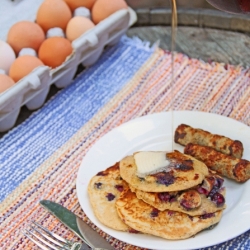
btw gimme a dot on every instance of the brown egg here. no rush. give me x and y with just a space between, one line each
53 13
73 4
23 65
77 26
104 8
5 82
25 34
54 51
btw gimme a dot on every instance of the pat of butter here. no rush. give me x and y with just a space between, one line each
150 162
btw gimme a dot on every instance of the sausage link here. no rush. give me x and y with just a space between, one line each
185 134
225 165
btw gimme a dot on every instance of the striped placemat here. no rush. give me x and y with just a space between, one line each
40 158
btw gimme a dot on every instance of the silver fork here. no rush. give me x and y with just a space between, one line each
47 240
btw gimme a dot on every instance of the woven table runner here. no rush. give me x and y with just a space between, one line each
41 157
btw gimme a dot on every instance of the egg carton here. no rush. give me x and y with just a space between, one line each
33 89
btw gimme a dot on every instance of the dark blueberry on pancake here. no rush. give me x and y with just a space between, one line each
98 185
165 196
207 216
202 190
119 188
172 199
170 213
110 196
164 178
219 181
154 213
185 165
213 191
185 204
218 199
141 179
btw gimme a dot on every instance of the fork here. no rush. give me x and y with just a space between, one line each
47 240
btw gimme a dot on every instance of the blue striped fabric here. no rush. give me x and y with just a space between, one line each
24 148
240 243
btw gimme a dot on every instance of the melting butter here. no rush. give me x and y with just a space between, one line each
150 162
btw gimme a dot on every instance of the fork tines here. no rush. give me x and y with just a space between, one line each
43 238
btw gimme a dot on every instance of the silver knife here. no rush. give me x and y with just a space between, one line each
77 226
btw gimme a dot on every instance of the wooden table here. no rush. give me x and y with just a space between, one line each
203 43
205 34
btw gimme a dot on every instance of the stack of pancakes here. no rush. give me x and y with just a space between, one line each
173 204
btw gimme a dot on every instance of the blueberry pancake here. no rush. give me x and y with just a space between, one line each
166 224
207 197
176 171
104 189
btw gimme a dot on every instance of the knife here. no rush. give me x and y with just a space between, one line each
77 226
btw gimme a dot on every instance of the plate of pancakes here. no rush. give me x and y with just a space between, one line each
200 200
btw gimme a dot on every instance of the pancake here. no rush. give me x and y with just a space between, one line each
166 224
104 189
186 173
205 198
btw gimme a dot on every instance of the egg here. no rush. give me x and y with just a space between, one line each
77 26
25 34
104 8
7 56
5 82
23 65
54 51
53 13
73 4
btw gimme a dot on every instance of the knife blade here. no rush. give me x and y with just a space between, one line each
76 225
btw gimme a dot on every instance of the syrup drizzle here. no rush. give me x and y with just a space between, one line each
174 24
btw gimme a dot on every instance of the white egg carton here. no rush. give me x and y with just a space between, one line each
33 89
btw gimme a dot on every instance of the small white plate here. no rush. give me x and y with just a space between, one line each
153 132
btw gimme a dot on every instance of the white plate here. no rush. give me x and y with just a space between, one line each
153 132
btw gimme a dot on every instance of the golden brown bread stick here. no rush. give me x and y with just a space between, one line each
185 134
225 165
